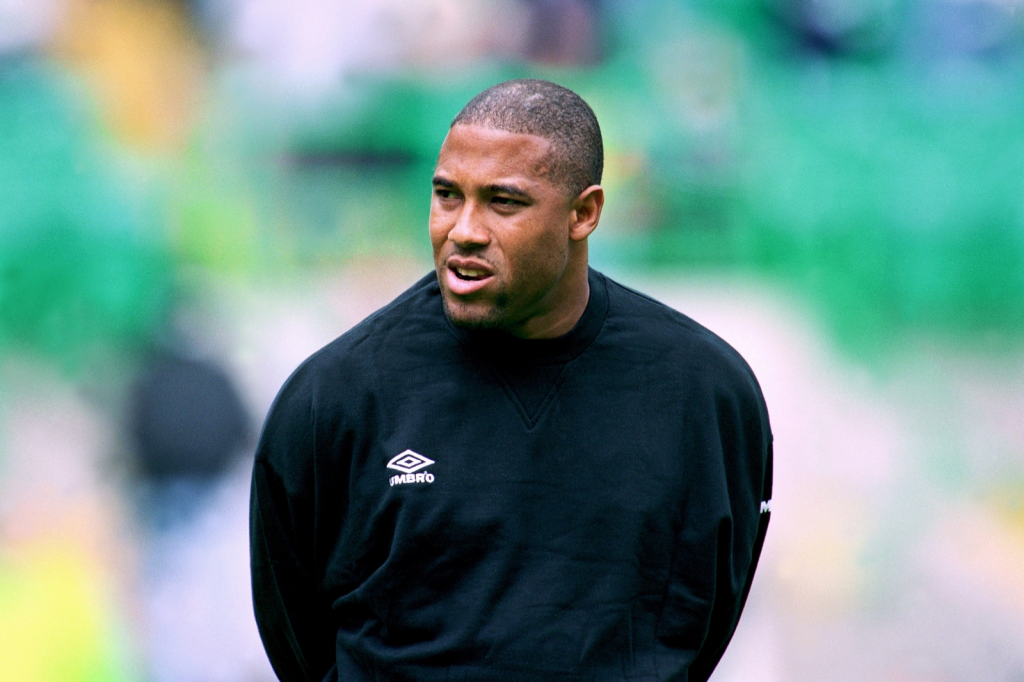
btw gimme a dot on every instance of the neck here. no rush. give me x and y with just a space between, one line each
567 310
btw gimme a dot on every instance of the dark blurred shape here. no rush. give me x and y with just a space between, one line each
187 419
841 27
192 433
565 32
209 18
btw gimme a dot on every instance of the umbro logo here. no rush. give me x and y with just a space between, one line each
409 463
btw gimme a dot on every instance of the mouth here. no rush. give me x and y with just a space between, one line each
470 274
465 278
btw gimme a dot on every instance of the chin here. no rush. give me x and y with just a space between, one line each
470 316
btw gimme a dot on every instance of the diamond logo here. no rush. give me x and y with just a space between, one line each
409 461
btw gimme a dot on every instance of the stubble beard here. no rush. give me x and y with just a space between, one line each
476 317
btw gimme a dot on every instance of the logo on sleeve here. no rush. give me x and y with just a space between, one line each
766 506
410 463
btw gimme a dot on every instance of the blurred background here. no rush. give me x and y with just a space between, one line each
196 194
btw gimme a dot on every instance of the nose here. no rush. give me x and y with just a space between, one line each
469 230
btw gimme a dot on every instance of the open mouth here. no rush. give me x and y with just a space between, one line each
470 274
466 278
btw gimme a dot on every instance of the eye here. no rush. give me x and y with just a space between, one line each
506 201
445 194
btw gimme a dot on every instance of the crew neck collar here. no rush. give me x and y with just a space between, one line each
505 348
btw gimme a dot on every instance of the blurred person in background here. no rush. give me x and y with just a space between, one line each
192 438
519 469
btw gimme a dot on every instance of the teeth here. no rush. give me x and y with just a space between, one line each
465 272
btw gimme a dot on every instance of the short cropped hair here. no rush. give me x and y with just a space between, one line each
537 107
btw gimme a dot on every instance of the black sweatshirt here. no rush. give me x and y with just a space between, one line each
435 504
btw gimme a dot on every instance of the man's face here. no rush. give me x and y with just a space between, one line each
500 229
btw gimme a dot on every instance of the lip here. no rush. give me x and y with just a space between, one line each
465 287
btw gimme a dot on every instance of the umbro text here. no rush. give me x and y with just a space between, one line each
412 478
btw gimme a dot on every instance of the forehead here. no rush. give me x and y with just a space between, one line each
475 154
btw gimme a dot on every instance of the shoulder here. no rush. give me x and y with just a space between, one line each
334 388
674 345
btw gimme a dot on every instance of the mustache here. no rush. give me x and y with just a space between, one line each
475 254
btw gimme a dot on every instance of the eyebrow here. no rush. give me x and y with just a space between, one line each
510 190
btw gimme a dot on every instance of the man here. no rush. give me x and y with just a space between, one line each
519 469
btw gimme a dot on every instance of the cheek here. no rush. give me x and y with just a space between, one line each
438 230
540 252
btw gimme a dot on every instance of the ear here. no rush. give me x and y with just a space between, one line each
586 212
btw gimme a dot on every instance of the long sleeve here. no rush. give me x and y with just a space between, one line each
733 585
294 619
726 518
